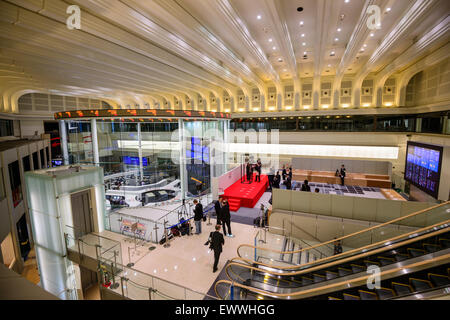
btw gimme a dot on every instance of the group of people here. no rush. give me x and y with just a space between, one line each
249 168
216 239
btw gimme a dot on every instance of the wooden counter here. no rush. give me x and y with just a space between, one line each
351 179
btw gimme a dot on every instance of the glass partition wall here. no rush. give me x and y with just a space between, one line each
149 162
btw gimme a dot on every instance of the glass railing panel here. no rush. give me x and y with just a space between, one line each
135 291
169 290
269 252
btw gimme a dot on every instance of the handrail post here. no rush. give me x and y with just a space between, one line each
130 264
166 243
232 291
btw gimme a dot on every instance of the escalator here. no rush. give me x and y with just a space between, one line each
409 263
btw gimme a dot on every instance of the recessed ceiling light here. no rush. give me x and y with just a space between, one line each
339 29
365 45
305 52
347 1
332 53
303 43
336 39
274 48
270 40
388 9
329 65
303 35
258 17
362 50
372 34
302 23
280 60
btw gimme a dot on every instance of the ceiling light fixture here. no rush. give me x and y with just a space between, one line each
339 29
306 107
336 39
388 9
302 23
270 40
303 43
303 35
274 48
372 34
258 17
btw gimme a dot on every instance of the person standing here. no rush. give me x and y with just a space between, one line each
305 186
258 170
342 174
198 216
218 208
283 173
249 171
226 219
217 241
276 180
288 183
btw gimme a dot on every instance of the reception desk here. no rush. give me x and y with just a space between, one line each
351 179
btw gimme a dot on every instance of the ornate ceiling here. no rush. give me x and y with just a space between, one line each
240 56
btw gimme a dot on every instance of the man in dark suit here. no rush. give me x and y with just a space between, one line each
276 180
305 186
226 218
218 208
217 241
198 216
249 171
288 183
258 170
342 174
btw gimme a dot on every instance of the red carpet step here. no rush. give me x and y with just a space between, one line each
245 194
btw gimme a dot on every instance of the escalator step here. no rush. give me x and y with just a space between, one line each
318 277
371 263
419 284
439 280
307 281
401 256
331 275
386 261
401 288
350 297
431 247
445 242
416 252
357 268
385 293
344 272
367 295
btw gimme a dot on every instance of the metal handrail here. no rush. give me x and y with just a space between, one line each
335 286
347 236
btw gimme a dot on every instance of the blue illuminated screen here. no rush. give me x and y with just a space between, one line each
197 151
134 161
423 166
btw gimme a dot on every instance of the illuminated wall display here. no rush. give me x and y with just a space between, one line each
133 113
423 166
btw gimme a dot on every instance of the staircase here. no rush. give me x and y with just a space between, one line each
235 204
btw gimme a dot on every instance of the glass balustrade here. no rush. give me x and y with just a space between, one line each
273 253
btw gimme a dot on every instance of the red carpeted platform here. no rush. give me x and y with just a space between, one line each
245 194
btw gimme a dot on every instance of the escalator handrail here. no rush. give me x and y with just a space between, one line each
352 283
332 263
252 247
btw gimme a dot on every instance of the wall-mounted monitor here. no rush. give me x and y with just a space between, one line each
423 166
134 161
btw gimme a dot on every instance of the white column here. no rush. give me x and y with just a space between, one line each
141 165
183 173
95 142
63 135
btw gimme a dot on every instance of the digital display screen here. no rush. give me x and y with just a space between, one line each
134 161
423 166
197 151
